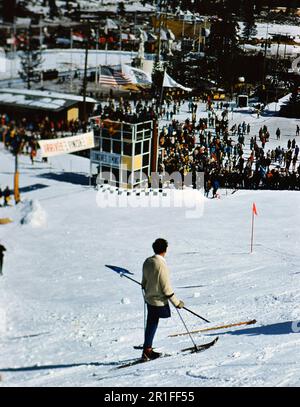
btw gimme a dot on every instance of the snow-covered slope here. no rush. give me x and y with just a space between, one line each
66 319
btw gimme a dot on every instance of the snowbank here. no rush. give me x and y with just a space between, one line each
275 107
34 215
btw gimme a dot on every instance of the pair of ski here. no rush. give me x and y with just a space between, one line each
193 349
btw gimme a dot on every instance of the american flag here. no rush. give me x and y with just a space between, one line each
113 77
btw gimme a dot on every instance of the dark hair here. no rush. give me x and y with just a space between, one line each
160 246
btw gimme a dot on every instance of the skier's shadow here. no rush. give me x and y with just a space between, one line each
282 328
50 367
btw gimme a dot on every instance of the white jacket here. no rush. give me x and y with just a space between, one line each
156 282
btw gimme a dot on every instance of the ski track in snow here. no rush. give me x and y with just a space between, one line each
69 321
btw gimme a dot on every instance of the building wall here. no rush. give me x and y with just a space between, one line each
73 114
122 152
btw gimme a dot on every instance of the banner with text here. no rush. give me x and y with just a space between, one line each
66 145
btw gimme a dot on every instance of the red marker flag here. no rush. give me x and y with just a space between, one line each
254 209
254 212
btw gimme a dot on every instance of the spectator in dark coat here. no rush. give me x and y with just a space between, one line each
2 250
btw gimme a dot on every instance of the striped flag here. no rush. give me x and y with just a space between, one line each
113 77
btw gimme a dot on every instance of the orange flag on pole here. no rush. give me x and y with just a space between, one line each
254 210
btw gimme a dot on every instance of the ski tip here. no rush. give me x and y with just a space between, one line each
119 270
202 347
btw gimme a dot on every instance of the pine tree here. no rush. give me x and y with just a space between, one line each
53 8
31 61
121 9
249 20
223 36
224 46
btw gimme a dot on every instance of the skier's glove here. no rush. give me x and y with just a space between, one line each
180 305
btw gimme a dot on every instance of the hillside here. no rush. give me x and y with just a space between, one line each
66 319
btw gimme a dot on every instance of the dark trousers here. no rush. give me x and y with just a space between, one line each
1 264
154 313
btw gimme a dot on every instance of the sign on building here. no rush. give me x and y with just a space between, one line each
110 159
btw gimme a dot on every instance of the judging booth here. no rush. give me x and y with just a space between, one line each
124 154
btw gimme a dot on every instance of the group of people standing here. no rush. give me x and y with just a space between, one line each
220 153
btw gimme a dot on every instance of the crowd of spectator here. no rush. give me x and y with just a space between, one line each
138 110
22 135
229 158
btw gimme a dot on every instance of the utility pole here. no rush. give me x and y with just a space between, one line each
71 45
41 38
85 73
265 55
159 10
97 49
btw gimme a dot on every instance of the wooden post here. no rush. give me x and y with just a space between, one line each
16 181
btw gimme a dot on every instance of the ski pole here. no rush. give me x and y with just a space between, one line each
123 273
188 332
194 313
132 279
187 309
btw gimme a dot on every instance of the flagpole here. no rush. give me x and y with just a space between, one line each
162 89
72 73
252 230
106 39
97 49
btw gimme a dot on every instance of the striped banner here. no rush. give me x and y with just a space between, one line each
66 145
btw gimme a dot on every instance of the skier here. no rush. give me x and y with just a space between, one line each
297 130
2 250
158 292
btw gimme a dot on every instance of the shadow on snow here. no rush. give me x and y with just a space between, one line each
70 177
34 187
282 328
35 368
